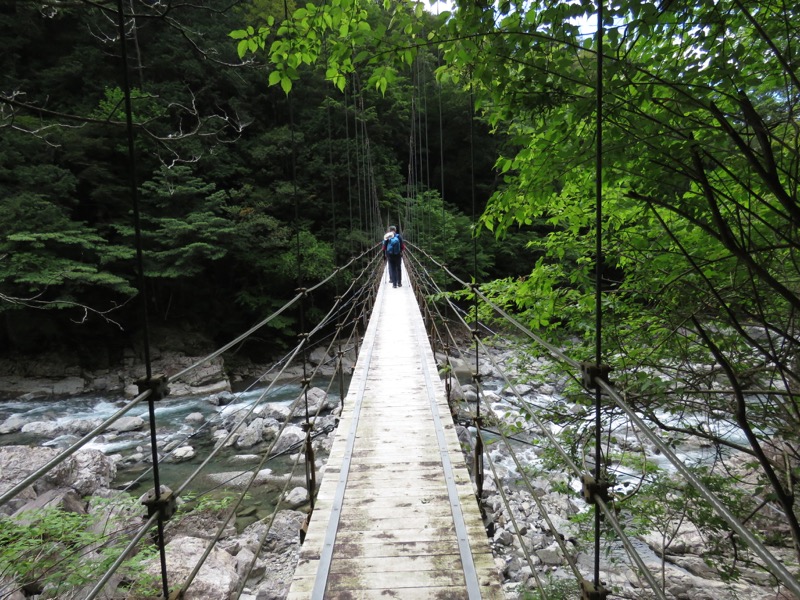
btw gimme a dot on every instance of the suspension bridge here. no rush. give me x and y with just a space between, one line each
396 512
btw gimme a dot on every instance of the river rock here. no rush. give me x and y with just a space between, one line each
85 472
252 435
10 590
182 454
289 437
280 551
93 471
296 497
319 356
65 499
125 424
71 386
318 401
222 398
42 428
195 418
239 479
217 578
271 410
17 462
12 424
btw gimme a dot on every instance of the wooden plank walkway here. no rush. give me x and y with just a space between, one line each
396 514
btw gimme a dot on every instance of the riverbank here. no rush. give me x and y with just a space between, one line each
516 495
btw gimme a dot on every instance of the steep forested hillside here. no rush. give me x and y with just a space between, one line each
223 163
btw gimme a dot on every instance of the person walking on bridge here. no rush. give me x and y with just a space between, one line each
393 247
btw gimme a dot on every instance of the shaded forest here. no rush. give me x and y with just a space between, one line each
230 173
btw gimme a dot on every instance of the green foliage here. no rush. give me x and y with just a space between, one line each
553 589
57 552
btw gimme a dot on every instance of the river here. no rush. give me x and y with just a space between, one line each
66 420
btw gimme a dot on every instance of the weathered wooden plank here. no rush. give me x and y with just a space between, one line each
415 563
395 532
439 593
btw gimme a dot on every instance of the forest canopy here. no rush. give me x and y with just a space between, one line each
230 173
655 157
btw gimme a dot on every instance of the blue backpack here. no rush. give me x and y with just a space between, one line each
394 245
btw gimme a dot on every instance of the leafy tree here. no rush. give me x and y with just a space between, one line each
699 267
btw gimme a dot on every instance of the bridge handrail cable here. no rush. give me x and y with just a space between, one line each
295 405
771 562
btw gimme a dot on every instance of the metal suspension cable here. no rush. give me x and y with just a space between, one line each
293 354
634 555
140 278
774 565
554 351
325 321
349 166
598 357
247 487
263 537
264 396
513 519
221 444
64 454
535 497
122 557
261 324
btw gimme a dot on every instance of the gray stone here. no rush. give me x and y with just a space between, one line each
252 435
239 479
290 436
222 398
195 418
43 428
93 471
319 356
318 401
550 555
182 454
71 386
12 424
65 499
270 410
124 424
296 497
217 578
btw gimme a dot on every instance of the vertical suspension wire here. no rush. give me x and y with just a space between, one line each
334 224
442 229
356 127
478 470
307 425
598 283
349 166
142 292
412 162
424 158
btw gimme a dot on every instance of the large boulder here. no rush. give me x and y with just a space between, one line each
289 437
13 423
85 472
252 435
280 552
93 471
217 578
42 428
318 401
124 424
18 462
